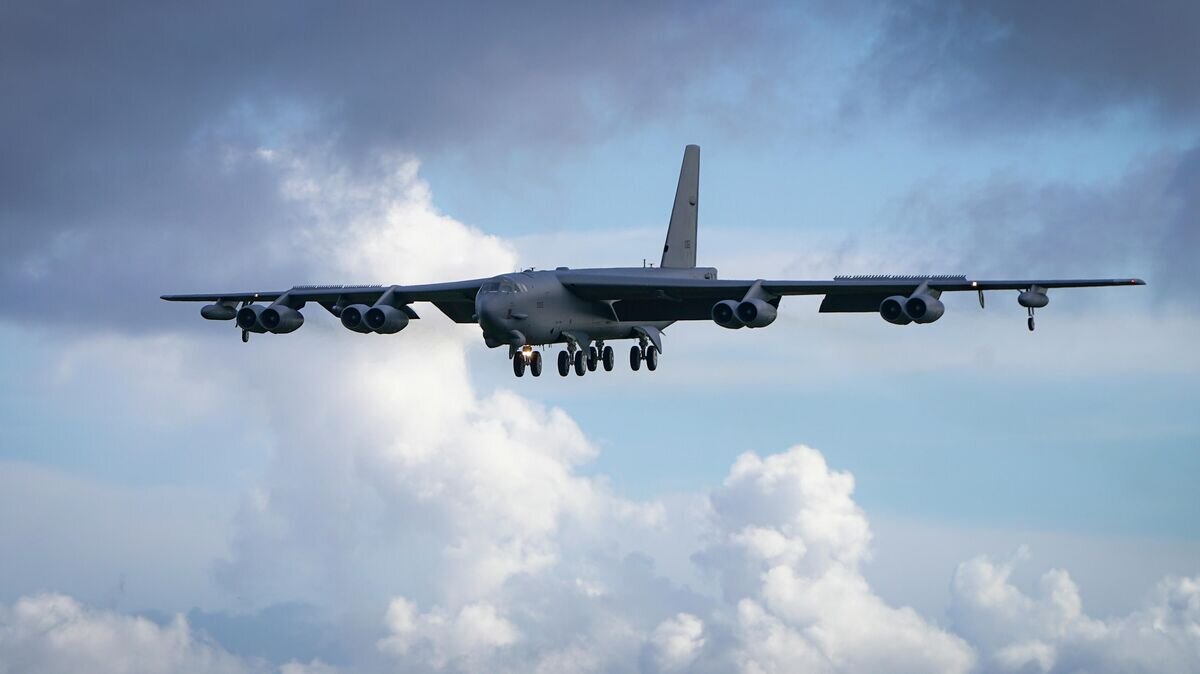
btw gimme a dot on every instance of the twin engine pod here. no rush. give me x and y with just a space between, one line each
383 319
277 318
745 314
921 308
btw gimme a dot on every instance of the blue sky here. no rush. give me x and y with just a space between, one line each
409 490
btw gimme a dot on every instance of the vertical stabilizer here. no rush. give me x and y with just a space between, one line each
680 249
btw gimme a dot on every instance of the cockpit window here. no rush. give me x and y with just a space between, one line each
501 286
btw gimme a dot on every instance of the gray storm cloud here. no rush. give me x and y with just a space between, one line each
124 128
1012 64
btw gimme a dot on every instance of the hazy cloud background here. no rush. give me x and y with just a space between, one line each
173 500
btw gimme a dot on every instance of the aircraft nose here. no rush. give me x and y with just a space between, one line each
492 315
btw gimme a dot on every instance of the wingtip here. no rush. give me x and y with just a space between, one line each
1137 282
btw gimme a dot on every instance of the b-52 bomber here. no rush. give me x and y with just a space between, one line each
584 309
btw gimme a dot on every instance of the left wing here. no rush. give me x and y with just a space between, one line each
644 296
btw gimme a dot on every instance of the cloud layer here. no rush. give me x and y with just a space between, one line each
431 527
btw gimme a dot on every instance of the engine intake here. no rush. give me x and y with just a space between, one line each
249 318
756 313
280 319
892 310
924 309
385 320
724 314
353 318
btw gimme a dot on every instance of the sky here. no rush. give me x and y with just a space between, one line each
830 494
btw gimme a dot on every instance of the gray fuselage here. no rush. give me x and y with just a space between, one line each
534 308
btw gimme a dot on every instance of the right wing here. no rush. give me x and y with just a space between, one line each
455 299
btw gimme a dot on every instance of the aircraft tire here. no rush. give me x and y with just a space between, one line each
564 363
651 358
1031 323
635 358
580 363
535 363
608 358
519 365
593 358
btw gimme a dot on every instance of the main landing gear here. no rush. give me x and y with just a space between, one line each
586 360
649 354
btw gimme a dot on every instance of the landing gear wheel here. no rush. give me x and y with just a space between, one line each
245 336
635 358
535 363
564 363
652 358
519 365
580 363
1031 323
593 358
608 358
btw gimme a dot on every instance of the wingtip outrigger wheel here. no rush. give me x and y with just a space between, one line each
245 336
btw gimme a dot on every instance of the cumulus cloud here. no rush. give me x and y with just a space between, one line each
1050 632
793 542
54 633
676 642
470 635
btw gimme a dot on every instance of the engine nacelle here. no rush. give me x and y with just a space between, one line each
892 310
354 318
724 314
218 312
756 313
281 319
924 308
249 318
385 320
1033 299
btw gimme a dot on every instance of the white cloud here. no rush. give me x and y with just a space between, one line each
53 633
677 641
798 587
468 636
1050 632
